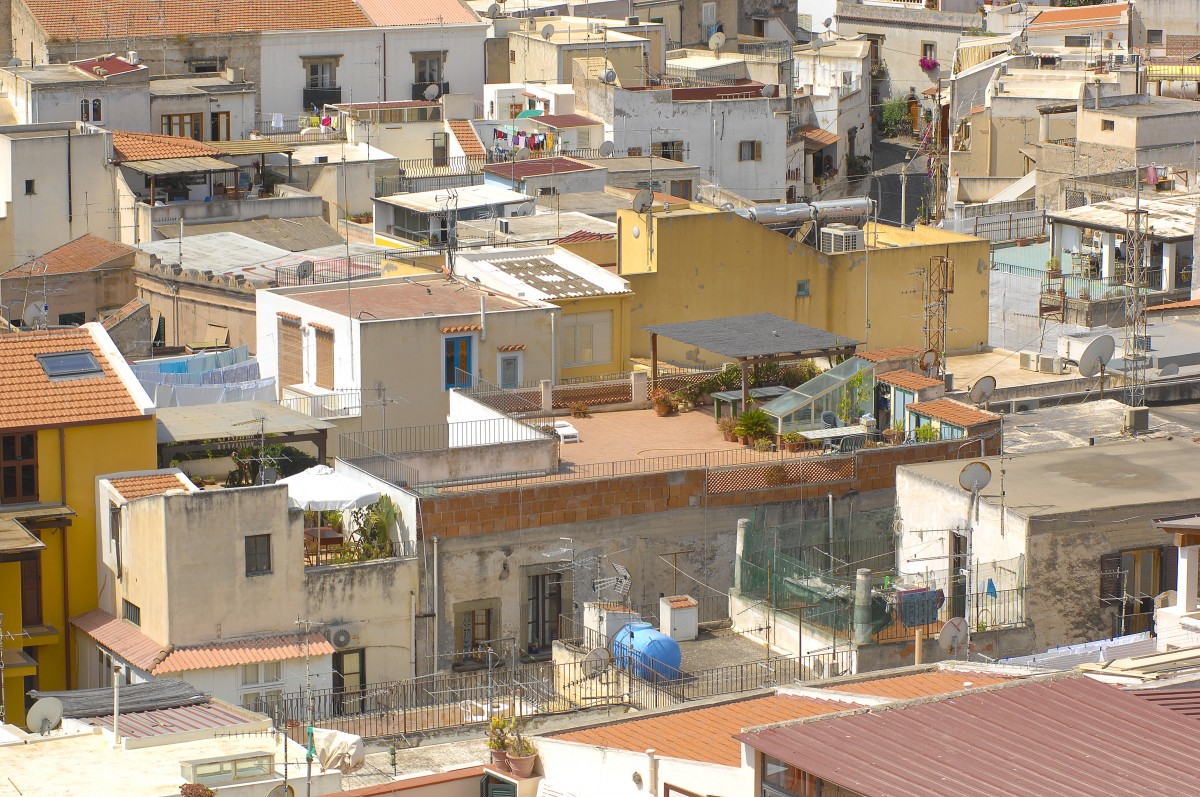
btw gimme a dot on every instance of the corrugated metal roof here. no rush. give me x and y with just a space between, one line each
1181 701
166 721
122 638
147 696
168 166
1067 737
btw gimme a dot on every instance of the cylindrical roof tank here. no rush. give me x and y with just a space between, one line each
646 652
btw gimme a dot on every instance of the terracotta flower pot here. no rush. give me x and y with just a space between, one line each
662 409
522 765
500 760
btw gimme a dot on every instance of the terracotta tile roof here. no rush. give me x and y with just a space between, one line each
584 236
890 353
151 146
565 121
84 253
288 316
513 347
236 652
909 380
924 684
105 65
29 399
536 167
464 132
1190 303
682 602
91 20
427 12
462 328
133 487
320 327
818 138
701 734
977 109
1110 14
123 312
122 638
954 412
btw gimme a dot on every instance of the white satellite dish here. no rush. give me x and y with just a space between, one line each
596 661
493 11
770 90
954 635
982 390
609 76
35 315
1169 370
522 154
828 23
607 149
44 715
305 270
432 91
817 43
1096 356
929 360
726 206
716 41
643 200
547 32
974 476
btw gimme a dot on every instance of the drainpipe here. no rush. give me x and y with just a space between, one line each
830 495
116 706
482 318
434 602
412 625
652 772
862 606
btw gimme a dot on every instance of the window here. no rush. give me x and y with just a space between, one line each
114 537
514 109
475 628
324 348
672 150
1130 579
760 28
1108 124
204 66
545 605
681 189
18 468
29 187
512 56
802 290
85 111
1077 41
185 125
586 338
97 111
219 126
258 554
321 73
510 370
750 151
71 363
929 50
428 67
290 362
457 357
634 152
31 592
350 679
780 778
131 612
1154 37
70 319
262 686
708 20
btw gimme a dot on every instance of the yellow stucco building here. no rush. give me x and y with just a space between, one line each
694 263
70 410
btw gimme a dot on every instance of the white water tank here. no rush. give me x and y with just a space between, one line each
679 617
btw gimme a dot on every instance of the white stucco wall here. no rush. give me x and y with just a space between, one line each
572 768
346 375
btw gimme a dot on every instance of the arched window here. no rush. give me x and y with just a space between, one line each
85 107
96 114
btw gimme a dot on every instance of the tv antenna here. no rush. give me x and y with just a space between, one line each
620 583
261 420
305 270
643 200
44 716
432 91
972 478
982 390
938 285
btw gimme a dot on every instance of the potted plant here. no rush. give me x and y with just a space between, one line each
662 401
728 427
753 424
793 441
1053 268
763 445
580 410
497 742
521 754
895 434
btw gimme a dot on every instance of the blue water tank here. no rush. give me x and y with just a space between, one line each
647 652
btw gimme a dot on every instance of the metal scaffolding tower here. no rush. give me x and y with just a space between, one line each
939 284
1137 341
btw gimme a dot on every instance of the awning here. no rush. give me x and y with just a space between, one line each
816 139
233 420
252 146
530 113
171 166
322 489
16 540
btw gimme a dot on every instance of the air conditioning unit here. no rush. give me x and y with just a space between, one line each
1137 420
1050 365
1029 360
838 238
340 637
505 226
1024 405
320 159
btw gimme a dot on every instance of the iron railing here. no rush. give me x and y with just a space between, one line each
334 269
338 404
377 463
439 437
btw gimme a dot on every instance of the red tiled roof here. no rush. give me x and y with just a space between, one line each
28 397
83 254
418 782
701 734
151 146
564 121
1109 14
512 347
464 133
91 20
682 602
133 487
890 353
122 638
1190 303
462 328
320 327
923 684
909 380
236 652
427 12
585 236
105 65
536 167
123 312
817 137
954 412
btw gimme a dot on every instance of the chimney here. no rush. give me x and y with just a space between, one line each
1097 83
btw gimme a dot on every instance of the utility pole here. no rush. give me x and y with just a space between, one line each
306 626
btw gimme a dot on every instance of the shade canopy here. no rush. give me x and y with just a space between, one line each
322 489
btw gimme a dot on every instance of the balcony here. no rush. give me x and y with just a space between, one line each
320 97
418 90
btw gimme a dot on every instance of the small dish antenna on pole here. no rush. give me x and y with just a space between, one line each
974 477
716 42
432 91
643 200
1095 357
769 90
1171 369
35 315
982 390
547 32
522 154
493 11
596 661
608 76
929 361
44 715
954 636
305 270
607 149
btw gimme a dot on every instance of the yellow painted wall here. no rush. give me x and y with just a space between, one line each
602 253
694 266
620 307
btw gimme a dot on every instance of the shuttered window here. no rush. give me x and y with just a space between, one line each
1169 568
324 370
291 351
1110 578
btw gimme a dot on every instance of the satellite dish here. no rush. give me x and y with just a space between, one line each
304 271
607 149
609 76
1096 355
770 90
14 62
974 476
432 91
817 43
954 635
727 206
929 360
982 390
828 22
643 200
35 315
493 11
44 716
547 32
522 154
716 41
596 661
1169 370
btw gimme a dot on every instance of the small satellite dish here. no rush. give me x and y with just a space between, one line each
547 32
609 76
35 315
954 635
607 149
828 23
1169 370
929 360
974 476
304 271
716 41
596 661
432 91
727 206
522 154
643 200
14 62
1096 355
982 390
817 43
493 10
44 715
770 90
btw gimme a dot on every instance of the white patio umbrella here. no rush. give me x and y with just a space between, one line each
321 489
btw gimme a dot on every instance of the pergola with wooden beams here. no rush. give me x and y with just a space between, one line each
751 340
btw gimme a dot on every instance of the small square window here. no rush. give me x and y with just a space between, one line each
258 554
802 289
1108 124
70 319
29 186
929 50
131 612
70 364
1154 37
749 150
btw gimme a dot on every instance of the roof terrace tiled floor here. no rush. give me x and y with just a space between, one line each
641 434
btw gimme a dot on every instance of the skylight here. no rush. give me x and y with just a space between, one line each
70 364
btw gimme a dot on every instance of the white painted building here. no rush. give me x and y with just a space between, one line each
108 92
835 81
503 101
